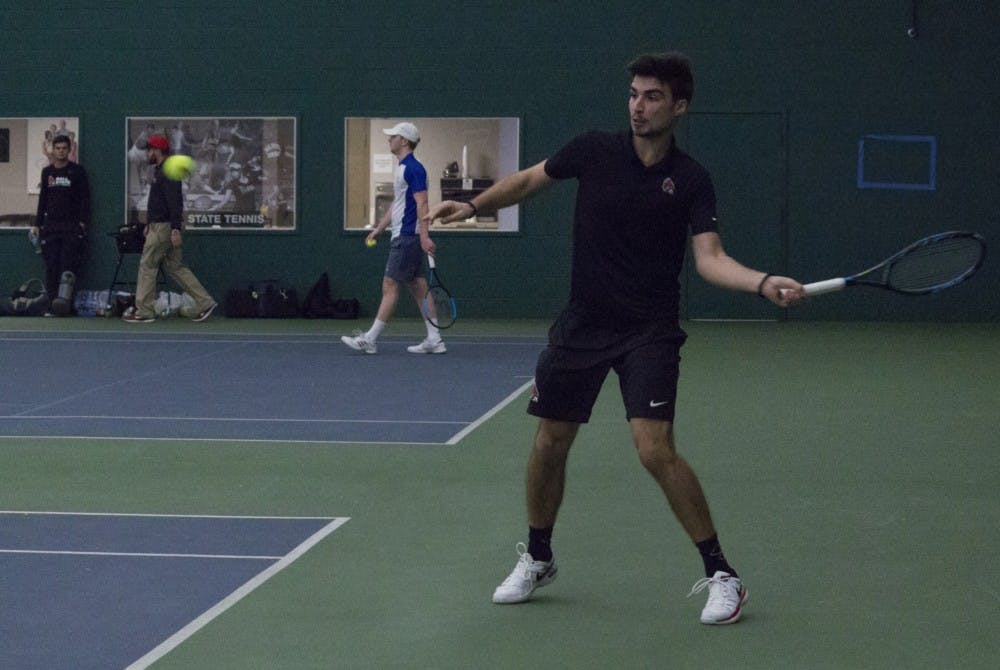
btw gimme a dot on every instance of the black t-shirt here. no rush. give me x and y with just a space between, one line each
64 199
630 231
166 201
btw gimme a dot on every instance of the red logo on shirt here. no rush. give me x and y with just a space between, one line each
668 186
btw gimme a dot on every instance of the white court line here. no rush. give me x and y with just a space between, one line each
58 552
231 440
200 622
134 554
117 382
257 339
217 419
168 516
171 516
207 337
453 440
457 437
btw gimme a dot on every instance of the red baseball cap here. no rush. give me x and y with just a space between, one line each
158 142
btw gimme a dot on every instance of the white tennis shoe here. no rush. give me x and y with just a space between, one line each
428 346
359 342
527 576
726 595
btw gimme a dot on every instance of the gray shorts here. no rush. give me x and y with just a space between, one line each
406 259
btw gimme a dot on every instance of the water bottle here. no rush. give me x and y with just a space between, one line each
35 242
62 305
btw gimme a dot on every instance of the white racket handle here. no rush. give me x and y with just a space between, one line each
825 286
430 261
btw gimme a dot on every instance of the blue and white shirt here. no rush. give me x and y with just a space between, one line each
410 178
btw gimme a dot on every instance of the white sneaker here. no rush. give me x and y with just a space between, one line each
527 576
359 343
428 346
726 595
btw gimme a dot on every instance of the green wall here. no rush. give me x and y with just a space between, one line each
832 72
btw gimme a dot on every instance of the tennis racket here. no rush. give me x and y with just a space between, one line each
926 266
438 307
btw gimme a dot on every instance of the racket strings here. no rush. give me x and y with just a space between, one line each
442 302
935 265
443 305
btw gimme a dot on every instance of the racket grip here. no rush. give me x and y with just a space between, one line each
826 286
430 261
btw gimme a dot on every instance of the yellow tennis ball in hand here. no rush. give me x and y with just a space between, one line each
178 167
371 242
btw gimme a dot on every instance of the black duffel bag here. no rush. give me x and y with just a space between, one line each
30 299
268 299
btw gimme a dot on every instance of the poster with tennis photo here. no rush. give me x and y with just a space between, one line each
244 176
41 132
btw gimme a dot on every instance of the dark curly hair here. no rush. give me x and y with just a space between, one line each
672 68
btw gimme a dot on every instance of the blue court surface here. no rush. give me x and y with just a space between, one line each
257 387
82 590
101 591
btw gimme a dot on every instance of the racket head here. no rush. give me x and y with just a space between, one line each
439 307
935 263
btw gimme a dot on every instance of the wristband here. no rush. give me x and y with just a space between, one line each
760 286
475 210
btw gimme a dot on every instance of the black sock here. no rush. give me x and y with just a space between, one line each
715 560
540 543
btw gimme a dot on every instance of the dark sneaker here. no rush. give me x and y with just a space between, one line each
132 316
207 313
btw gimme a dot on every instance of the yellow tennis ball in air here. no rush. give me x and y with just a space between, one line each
178 167
371 243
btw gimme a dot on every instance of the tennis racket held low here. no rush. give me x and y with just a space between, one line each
438 307
929 265
825 286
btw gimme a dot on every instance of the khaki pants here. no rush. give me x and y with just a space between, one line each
159 253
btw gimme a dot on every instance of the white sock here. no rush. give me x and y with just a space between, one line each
433 334
376 330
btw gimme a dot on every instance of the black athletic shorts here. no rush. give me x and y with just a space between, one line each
406 259
568 379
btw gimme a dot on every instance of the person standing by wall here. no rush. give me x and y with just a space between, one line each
61 224
164 239
410 241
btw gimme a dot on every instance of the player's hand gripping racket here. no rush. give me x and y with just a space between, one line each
438 307
926 266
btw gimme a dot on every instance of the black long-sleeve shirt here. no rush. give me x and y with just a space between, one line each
165 200
64 201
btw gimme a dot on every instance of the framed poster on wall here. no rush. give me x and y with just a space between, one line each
41 132
25 148
245 170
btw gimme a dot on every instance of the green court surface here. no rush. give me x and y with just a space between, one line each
852 472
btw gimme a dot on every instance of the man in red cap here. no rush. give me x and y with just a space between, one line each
162 249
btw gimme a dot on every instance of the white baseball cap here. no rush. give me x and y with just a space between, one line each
404 129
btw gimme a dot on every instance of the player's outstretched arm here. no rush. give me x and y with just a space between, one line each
508 191
716 267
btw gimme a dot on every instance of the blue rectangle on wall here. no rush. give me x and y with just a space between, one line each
904 162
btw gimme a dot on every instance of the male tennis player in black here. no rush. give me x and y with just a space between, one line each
638 196
62 222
